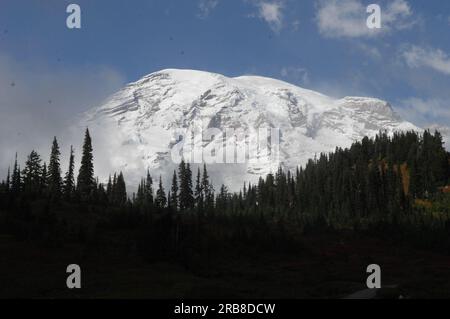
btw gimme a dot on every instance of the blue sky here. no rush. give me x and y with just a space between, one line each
49 72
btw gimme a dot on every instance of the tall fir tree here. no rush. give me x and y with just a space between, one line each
186 197
32 174
113 195
16 180
69 179
109 189
139 196
173 203
120 190
222 199
8 180
189 189
199 194
208 191
161 200
54 172
44 180
148 189
182 178
85 180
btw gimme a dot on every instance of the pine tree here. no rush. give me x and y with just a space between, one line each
173 203
186 196
138 198
85 181
182 176
3 192
121 190
54 172
32 174
16 178
190 193
44 180
169 199
113 199
222 199
161 199
95 198
199 195
69 180
148 189
8 180
102 198
109 190
208 190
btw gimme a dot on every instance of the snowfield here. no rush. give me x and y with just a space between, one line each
137 127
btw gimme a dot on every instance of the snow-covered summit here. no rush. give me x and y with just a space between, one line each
135 126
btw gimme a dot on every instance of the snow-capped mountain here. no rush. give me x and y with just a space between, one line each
140 126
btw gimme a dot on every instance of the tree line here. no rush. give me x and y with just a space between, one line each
39 180
385 182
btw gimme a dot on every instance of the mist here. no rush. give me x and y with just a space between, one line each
39 102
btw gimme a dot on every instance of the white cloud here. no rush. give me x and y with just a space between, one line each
296 75
271 11
347 18
371 51
444 130
423 111
397 15
436 59
205 7
38 102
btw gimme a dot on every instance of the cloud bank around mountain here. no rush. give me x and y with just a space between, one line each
38 102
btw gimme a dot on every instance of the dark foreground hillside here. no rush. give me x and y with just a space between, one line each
328 266
308 234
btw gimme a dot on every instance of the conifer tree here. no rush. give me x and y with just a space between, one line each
113 199
190 193
148 189
85 181
44 180
32 174
69 179
182 177
16 178
121 191
208 190
199 195
161 200
54 172
173 203
101 194
186 197
222 199
8 180
3 191
109 190
169 199
138 198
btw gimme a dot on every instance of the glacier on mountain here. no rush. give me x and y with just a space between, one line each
137 127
